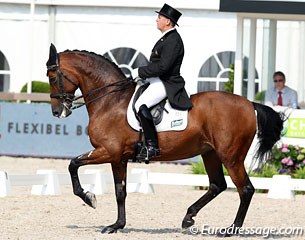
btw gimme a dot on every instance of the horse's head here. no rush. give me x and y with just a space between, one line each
61 86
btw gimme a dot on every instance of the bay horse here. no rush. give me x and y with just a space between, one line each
221 127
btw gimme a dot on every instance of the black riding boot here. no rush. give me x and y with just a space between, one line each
150 133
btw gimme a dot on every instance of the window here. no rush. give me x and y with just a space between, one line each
215 72
126 58
4 74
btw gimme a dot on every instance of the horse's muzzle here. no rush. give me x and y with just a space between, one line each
62 111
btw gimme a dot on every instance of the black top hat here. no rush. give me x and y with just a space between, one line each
171 13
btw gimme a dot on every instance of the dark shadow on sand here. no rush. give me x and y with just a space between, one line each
179 231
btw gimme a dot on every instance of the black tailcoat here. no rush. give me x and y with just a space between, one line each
165 62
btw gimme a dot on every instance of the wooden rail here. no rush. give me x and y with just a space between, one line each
35 97
39 97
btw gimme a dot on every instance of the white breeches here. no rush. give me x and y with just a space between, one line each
154 94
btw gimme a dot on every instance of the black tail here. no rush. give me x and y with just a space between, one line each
269 128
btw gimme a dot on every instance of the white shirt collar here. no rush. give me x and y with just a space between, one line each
168 31
284 89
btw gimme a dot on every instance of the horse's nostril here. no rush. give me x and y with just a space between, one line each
55 113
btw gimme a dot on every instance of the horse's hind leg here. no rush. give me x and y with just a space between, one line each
119 173
218 184
245 189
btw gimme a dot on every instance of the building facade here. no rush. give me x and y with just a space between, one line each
125 32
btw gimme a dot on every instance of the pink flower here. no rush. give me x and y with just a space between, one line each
285 145
284 150
285 160
290 163
304 161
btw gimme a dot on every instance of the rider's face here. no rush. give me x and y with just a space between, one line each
162 23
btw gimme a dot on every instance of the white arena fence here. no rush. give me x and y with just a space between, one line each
49 182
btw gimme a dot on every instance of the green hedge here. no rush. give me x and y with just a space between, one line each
37 87
260 96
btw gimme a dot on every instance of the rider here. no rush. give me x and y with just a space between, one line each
163 74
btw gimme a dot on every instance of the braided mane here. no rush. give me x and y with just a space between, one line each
98 56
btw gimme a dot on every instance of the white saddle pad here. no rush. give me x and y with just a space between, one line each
174 120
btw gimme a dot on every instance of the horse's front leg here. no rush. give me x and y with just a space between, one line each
88 197
119 171
96 156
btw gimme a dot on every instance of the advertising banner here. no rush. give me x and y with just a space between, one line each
31 130
296 127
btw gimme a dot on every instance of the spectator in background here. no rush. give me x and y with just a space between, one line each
280 94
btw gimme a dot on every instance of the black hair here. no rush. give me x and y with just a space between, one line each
279 73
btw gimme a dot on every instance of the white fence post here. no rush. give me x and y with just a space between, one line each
137 181
98 186
281 187
51 185
5 186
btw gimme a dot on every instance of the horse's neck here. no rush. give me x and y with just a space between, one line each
97 87
106 100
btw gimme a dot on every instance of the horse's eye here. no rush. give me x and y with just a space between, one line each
53 80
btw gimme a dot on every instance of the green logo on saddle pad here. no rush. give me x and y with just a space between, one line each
176 123
296 128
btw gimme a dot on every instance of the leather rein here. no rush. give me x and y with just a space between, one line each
70 98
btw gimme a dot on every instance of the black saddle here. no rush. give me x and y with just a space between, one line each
156 110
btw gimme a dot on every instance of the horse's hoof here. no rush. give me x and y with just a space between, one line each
187 223
108 230
90 199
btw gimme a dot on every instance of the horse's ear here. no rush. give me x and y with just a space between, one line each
53 56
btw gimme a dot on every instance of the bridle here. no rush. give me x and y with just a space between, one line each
59 75
68 98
